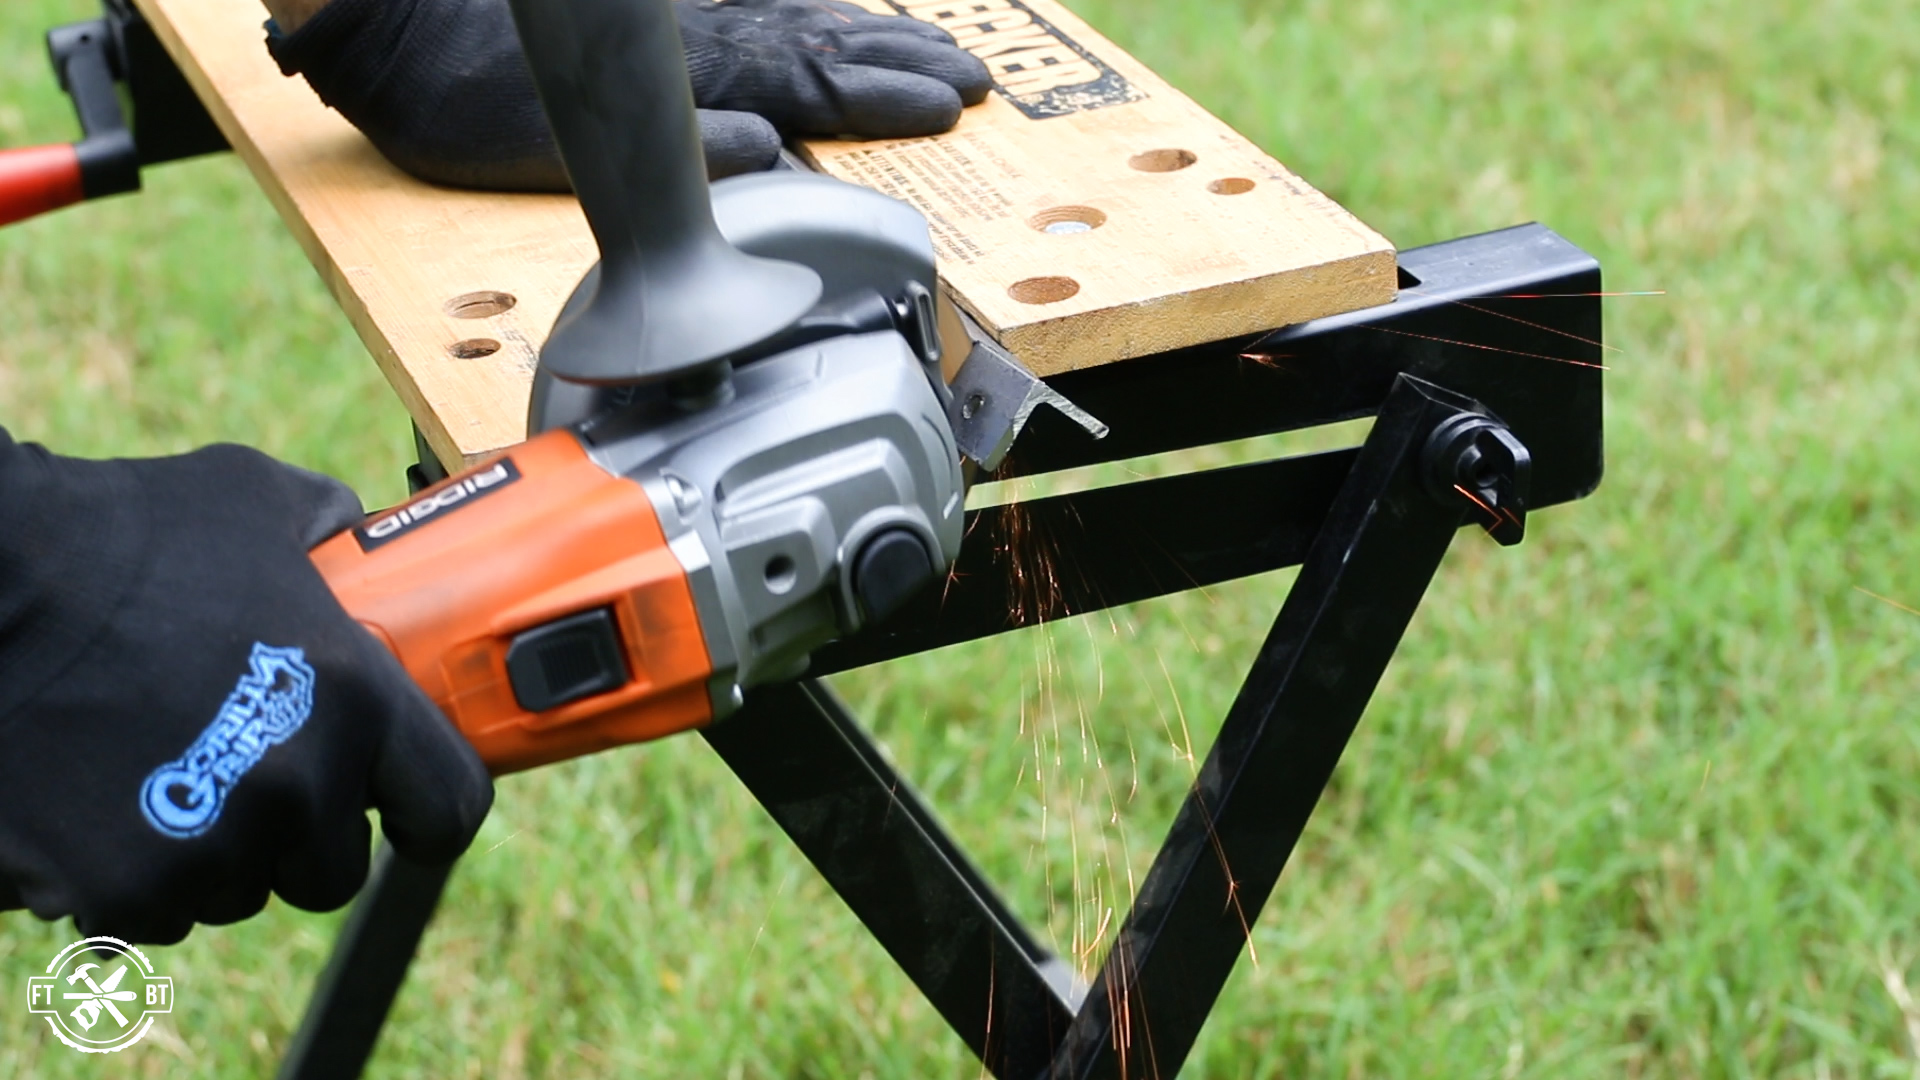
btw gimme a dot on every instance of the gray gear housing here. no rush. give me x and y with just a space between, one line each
823 485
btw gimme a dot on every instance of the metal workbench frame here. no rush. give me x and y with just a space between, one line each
1501 331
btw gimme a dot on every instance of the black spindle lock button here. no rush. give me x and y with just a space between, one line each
889 570
565 660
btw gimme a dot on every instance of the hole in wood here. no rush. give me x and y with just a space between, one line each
1232 185
1043 290
1162 160
473 348
1066 220
484 304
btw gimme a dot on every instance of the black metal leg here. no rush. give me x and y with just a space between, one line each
824 781
820 776
376 946
429 471
369 962
1356 592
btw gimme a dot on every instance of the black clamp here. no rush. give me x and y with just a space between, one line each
1477 459
86 59
93 60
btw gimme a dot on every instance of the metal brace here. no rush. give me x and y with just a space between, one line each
994 395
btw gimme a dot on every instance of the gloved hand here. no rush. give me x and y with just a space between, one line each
187 716
822 67
442 89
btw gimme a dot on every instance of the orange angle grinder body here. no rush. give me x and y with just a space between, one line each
633 574
497 612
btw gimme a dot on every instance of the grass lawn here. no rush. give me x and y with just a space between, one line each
1638 798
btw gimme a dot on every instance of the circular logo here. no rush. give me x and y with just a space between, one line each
100 995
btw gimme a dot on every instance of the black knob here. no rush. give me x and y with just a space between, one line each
892 566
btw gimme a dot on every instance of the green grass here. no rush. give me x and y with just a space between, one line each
1639 798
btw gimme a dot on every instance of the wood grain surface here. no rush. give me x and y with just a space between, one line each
1088 212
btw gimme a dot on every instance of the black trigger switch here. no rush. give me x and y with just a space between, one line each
560 662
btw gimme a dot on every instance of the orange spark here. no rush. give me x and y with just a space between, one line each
1537 326
1476 500
1491 348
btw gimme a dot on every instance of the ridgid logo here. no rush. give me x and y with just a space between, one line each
1042 71
436 503
100 995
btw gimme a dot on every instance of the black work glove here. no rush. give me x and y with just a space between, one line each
442 88
822 67
188 718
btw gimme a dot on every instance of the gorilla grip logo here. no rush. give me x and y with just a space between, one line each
183 798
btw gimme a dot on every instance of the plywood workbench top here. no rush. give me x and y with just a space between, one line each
1085 213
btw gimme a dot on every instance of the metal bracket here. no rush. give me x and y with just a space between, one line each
994 396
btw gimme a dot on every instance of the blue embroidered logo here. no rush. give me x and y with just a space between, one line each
183 798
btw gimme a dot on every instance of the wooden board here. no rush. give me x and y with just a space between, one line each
405 260
1088 212
454 291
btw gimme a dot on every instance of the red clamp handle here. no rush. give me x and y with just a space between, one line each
36 179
